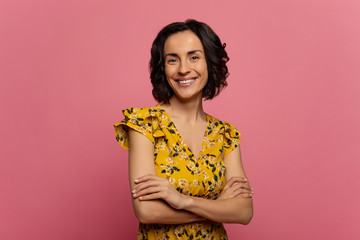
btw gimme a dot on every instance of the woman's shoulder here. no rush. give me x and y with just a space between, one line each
140 119
141 112
220 123
223 127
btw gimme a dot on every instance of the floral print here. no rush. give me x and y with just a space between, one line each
199 177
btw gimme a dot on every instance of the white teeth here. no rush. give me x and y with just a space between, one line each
187 81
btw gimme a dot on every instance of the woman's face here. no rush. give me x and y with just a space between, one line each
185 65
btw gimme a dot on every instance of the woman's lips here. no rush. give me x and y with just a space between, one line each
186 82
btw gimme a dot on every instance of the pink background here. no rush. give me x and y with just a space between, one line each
68 68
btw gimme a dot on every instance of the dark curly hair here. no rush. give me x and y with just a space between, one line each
215 54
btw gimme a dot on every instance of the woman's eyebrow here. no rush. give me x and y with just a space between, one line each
188 53
194 51
171 54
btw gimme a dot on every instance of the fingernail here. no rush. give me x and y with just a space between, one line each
134 195
245 179
136 180
133 191
140 198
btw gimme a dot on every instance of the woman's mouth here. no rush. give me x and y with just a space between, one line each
186 82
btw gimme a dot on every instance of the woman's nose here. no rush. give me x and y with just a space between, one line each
184 67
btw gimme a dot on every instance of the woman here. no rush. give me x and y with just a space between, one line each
177 153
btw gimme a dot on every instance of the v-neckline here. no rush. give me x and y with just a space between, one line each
180 137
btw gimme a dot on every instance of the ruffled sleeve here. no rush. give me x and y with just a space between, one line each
142 120
231 138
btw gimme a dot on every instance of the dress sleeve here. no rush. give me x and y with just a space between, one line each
231 138
137 119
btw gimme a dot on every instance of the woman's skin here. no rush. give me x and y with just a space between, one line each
154 198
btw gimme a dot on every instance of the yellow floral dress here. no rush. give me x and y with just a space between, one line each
199 177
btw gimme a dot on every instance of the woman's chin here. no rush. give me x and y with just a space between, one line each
188 97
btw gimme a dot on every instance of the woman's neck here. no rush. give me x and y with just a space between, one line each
190 111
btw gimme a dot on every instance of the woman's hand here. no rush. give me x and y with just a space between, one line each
151 187
236 187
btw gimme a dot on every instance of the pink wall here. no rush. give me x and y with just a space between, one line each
68 68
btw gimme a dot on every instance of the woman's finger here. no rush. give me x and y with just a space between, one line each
242 190
152 196
146 178
234 180
238 185
246 193
146 184
246 187
147 191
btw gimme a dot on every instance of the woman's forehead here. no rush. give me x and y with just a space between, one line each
182 42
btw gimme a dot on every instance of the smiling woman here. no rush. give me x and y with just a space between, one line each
185 64
185 167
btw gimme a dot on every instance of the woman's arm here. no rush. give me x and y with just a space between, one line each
232 210
141 162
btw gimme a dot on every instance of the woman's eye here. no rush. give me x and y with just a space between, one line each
194 57
172 60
